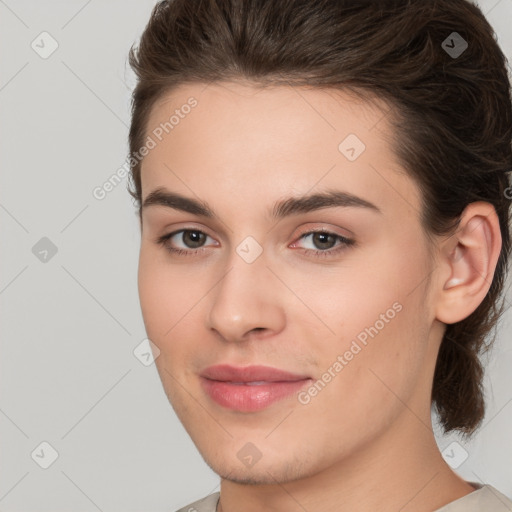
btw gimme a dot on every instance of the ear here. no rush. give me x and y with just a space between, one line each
467 263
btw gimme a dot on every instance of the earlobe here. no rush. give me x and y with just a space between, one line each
468 268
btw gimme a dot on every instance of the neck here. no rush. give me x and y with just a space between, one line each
402 470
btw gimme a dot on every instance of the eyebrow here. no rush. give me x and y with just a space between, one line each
281 209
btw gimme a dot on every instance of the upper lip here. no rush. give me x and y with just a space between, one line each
226 372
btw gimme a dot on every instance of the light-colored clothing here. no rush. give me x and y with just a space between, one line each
484 499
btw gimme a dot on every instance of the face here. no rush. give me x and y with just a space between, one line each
304 253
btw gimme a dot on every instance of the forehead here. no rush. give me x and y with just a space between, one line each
248 141
269 107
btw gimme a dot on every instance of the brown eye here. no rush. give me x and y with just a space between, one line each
323 243
184 242
324 240
193 239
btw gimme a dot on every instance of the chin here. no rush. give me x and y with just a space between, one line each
263 472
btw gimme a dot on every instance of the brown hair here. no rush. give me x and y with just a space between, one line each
452 115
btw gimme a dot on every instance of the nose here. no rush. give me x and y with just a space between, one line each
246 301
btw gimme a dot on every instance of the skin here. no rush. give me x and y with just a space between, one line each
365 442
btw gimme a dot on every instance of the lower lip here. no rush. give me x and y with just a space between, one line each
245 398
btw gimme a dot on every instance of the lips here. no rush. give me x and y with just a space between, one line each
250 388
250 374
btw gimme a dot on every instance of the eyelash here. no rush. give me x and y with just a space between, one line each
345 242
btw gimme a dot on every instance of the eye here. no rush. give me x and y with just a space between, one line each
190 242
190 239
324 243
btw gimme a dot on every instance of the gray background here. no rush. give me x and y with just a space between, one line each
70 324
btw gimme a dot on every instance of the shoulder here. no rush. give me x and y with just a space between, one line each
207 504
485 498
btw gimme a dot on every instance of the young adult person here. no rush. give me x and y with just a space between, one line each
324 202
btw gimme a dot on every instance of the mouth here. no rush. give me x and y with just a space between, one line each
253 374
250 388
254 383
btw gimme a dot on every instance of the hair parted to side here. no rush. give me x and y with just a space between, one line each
451 116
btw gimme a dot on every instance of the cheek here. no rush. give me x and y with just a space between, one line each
170 299
365 374
348 299
152 298
163 293
375 315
